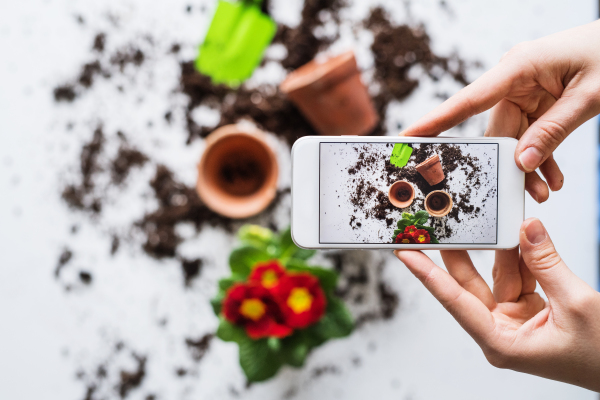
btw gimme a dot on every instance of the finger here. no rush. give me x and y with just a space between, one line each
468 311
461 268
507 277
528 282
477 97
536 187
522 310
505 120
550 129
544 103
552 173
542 259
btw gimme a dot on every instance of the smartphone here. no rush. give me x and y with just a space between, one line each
406 192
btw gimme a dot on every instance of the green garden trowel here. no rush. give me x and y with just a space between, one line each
236 39
400 154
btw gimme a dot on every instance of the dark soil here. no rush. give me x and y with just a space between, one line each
80 195
132 379
126 159
191 269
199 347
397 48
63 260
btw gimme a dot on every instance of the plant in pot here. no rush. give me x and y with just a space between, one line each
332 96
412 229
274 305
235 42
238 172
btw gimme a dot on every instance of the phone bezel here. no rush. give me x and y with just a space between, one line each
305 192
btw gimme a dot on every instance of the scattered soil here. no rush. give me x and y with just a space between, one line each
397 48
80 195
199 347
191 269
126 159
63 260
132 379
85 277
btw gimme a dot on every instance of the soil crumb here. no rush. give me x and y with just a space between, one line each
199 347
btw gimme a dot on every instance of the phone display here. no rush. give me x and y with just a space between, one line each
408 193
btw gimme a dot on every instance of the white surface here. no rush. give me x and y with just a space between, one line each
337 187
46 334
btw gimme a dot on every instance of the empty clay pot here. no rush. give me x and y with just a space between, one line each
237 174
431 170
332 96
438 203
401 194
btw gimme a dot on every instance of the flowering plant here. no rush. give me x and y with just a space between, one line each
275 306
411 229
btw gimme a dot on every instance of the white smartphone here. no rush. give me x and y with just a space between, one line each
406 192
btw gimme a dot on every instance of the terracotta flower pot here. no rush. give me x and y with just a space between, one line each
438 203
332 96
431 170
237 174
401 194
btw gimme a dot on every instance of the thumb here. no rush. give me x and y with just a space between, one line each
573 108
540 256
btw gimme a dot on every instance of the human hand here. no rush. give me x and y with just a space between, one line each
539 93
513 325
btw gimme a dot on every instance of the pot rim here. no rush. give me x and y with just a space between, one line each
401 204
438 214
429 162
257 201
321 74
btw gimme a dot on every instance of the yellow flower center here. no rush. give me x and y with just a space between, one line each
253 309
404 240
300 300
421 238
269 279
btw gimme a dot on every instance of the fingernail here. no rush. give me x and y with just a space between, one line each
535 232
530 159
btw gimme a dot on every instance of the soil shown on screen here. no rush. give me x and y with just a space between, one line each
369 178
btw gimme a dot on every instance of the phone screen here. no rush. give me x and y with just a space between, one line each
408 193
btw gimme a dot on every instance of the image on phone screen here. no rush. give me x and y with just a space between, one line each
408 193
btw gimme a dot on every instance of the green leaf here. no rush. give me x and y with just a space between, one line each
327 277
242 259
274 343
434 239
226 283
403 223
257 236
397 232
229 332
258 361
421 217
406 215
337 321
295 348
216 303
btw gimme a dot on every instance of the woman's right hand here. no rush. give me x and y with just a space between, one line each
540 92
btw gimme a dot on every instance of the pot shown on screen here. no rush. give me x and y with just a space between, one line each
401 194
438 203
237 174
431 170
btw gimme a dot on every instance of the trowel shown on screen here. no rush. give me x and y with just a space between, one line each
400 154
235 42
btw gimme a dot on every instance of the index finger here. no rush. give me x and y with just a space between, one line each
477 97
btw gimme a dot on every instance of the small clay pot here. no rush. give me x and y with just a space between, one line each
438 203
401 194
237 173
431 170
332 96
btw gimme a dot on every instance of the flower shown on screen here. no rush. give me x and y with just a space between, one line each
412 229
275 306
